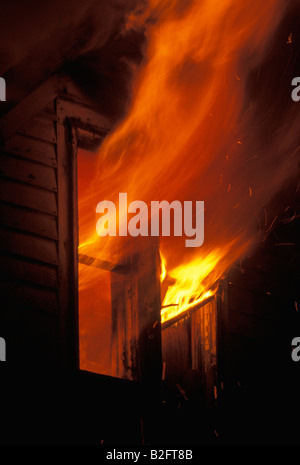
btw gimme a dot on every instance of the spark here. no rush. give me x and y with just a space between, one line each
182 391
271 225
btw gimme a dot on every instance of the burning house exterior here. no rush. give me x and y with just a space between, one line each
200 356
112 337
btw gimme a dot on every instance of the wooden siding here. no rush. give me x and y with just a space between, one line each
189 348
136 328
37 196
29 238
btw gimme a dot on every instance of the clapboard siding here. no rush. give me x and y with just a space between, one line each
28 296
36 232
48 112
40 128
28 172
29 246
35 273
29 234
29 196
32 149
28 220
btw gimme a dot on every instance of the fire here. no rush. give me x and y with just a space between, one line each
189 107
163 264
193 282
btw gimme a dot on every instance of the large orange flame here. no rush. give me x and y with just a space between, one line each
190 134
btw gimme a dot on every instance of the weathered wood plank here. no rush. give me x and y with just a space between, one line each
49 111
28 108
149 302
176 351
28 172
89 140
35 273
28 196
28 246
28 297
67 296
136 326
125 334
28 220
204 347
82 115
186 313
32 149
103 264
40 128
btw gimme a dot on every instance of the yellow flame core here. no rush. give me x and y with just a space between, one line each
163 266
188 289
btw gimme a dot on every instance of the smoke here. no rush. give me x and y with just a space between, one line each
37 37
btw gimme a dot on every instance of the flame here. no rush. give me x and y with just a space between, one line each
191 123
163 265
193 282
